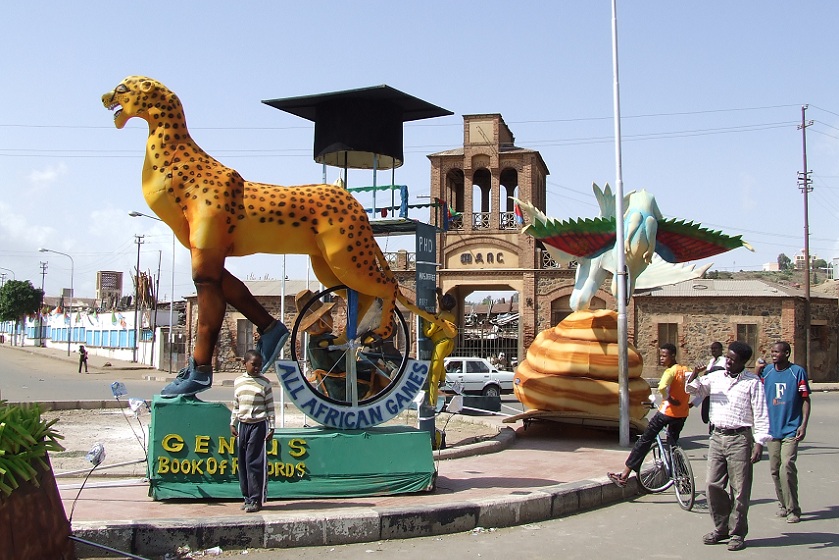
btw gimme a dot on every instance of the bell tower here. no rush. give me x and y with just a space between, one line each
482 248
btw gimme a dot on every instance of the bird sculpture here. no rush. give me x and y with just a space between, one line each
654 246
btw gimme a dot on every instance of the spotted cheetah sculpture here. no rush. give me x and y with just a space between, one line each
217 214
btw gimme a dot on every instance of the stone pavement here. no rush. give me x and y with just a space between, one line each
520 477
546 471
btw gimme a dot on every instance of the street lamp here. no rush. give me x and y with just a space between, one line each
72 274
3 275
136 214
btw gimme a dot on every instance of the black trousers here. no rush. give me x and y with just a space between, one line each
253 461
645 442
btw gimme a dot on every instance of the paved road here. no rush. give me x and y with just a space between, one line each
32 375
46 375
651 526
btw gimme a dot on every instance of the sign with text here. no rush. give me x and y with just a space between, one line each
426 250
193 455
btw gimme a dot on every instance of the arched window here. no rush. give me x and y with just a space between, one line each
509 190
481 198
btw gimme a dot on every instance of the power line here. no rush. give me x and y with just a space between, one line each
438 124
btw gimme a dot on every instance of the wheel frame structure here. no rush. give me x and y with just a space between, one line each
684 483
393 371
656 478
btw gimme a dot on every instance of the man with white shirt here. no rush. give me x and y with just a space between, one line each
741 428
717 362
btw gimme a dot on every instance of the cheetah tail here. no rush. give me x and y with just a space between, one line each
448 328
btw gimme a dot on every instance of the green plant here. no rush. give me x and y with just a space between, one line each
25 440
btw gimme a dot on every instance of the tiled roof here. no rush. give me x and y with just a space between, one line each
261 288
506 149
498 308
452 152
727 288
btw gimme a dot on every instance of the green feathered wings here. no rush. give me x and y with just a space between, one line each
676 240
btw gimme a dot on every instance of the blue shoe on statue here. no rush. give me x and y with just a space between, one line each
190 380
184 373
270 343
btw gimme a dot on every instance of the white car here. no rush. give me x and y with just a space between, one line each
477 375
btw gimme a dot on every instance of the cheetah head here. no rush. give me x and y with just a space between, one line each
138 96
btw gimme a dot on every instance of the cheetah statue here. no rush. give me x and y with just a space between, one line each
217 214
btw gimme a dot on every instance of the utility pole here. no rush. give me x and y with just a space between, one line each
43 265
804 186
138 239
155 299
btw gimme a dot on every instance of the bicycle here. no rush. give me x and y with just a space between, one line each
671 467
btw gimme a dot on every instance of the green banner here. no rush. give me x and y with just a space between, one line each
193 455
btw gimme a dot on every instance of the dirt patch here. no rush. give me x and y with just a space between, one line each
125 436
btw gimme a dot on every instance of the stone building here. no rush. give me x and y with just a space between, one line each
693 314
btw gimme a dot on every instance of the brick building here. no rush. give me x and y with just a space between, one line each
693 314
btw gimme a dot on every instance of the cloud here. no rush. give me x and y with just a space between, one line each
15 227
109 221
40 178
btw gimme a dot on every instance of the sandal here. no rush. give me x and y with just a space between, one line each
617 479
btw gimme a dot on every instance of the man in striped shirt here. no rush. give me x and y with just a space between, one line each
252 422
741 429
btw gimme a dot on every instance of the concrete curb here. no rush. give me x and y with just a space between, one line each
345 526
505 437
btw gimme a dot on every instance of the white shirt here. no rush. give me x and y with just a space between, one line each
736 402
716 362
713 362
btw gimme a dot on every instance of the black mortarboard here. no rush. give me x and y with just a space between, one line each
354 125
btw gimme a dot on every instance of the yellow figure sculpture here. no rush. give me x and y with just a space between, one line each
217 214
443 340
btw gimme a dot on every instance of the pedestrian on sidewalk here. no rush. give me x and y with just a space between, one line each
741 429
672 413
788 401
82 358
252 422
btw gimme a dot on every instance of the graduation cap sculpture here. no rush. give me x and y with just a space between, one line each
359 128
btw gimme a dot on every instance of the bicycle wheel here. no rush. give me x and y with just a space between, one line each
655 478
324 360
683 482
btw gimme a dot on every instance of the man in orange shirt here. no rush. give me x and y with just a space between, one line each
671 414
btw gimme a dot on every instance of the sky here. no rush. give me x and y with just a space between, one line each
711 97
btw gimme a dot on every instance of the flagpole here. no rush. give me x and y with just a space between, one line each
620 250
